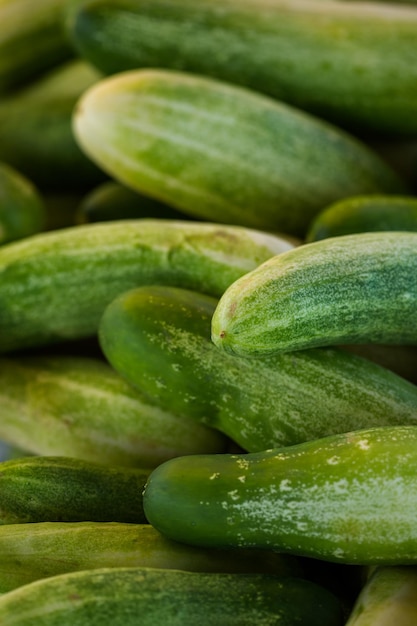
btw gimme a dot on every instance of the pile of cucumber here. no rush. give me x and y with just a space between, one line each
208 312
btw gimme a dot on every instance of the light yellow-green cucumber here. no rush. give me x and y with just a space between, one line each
350 62
80 407
357 289
129 596
222 152
158 338
349 498
39 550
56 285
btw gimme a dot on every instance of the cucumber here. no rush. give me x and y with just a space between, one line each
66 489
348 62
356 289
221 152
364 214
80 407
349 498
40 550
158 339
22 209
151 597
55 286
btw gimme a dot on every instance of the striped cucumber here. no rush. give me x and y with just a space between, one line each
30 552
150 596
158 338
326 57
221 152
80 407
56 285
358 288
349 498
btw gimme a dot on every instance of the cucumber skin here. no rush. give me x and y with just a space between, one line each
352 289
349 498
158 339
54 286
185 139
156 596
326 57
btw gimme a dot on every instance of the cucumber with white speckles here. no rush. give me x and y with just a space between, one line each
353 289
350 498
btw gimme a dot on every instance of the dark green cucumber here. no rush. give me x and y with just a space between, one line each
361 214
158 338
221 152
151 597
349 498
56 285
80 407
33 551
358 288
326 57
65 489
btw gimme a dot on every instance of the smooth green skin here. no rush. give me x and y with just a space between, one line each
158 339
221 152
65 489
39 550
22 209
55 286
80 407
361 214
349 498
387 598
352 289
151 597
348 62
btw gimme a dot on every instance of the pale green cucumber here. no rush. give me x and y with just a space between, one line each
56 285
158 338
358 288
151 597
350 62
221 152
349 498
80 407
33 551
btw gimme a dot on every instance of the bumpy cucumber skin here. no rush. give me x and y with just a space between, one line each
326 57
55 286
158 338
156 596
80 407
358 288
349 498
221 152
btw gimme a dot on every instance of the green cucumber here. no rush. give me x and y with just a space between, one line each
361 214
349 498
33 551
221 152
158 338
358 289
349 62
56 285
150 596
80 407
66 489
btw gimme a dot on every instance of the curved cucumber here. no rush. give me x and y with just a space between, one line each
221 152
55 285
358 288
158 338
326 57
349 498
178 598
80 407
